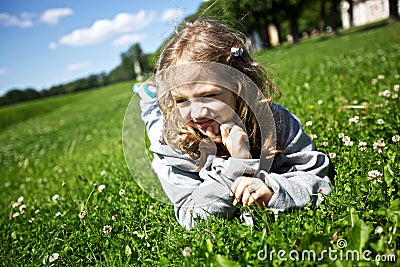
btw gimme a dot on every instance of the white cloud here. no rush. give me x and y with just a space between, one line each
78 66
172 14
129 39
9 20
105 29
52 16
3 71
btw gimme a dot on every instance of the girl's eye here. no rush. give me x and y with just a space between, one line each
179 101
212 95
182 103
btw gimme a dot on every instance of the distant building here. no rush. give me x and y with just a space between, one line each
364 11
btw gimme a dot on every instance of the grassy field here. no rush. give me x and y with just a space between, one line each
53 151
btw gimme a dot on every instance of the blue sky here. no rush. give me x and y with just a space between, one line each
49 42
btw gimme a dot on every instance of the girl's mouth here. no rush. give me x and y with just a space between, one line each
203 125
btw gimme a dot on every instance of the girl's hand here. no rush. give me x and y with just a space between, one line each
234 138
250 191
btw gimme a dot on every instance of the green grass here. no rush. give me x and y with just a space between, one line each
77 139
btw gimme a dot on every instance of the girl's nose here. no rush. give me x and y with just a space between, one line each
198 110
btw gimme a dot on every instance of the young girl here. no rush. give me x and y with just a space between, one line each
217 137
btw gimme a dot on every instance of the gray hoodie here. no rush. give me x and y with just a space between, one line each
297 175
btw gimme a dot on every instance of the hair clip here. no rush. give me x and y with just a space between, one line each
236 51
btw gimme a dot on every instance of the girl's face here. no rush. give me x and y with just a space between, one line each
205 105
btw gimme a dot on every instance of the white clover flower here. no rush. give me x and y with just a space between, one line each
347 141
380 121
55 197
379 145
64 225
379 230
395 96
101 187
354 120
107 229
341 135
53 257
103 172
114 218
186 252
58 214
396 87
15 215
313 136
362 146
381 77
122 193
374 174
385 93
20 199
63 184
82 214
15 205
22 208
309 123
325 144
396 138
374 81
37 211
332 155
31 220
307 86
320 102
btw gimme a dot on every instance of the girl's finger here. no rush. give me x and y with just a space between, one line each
225 130
255 184
235 184
252 199
215 138
241 186
261 196
246 196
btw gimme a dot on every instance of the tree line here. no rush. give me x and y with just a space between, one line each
134 63
289 17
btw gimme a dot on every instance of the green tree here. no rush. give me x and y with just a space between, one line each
17 95
134 62
335 15
248 16
256 15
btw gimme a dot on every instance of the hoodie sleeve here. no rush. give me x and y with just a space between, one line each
299 172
